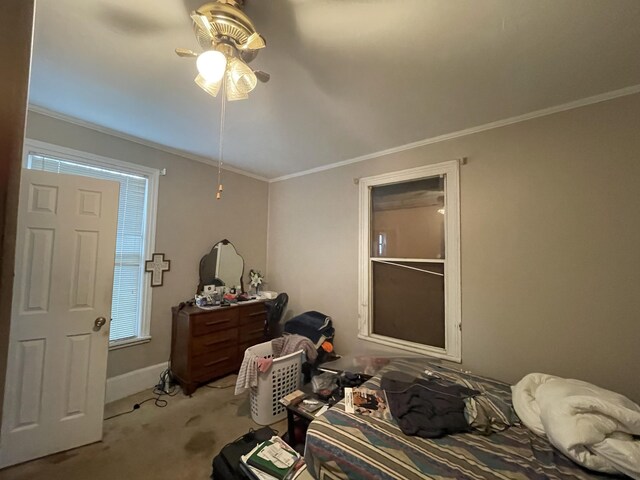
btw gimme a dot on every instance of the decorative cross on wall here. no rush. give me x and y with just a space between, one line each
157 266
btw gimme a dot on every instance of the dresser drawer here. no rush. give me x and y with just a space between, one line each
215 321
251 332
207 344
253 313
214 342
216 364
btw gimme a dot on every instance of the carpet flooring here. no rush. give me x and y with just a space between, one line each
176 442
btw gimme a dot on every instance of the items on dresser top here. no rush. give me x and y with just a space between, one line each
207 344
209 301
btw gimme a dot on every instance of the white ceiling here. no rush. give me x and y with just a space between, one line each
348 77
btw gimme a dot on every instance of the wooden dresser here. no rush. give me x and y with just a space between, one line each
207 344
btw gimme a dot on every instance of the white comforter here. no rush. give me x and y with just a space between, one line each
591 425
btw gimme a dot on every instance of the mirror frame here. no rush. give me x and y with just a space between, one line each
211 252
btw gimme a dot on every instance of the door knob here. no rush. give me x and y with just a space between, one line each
100 321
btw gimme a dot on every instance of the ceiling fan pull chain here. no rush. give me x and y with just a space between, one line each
221 140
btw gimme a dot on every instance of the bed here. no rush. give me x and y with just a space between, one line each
340 445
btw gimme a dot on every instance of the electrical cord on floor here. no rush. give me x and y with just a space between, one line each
165 387
162 388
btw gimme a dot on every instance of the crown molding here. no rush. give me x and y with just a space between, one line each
140 141
603 97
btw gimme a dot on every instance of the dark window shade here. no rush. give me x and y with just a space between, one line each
409 304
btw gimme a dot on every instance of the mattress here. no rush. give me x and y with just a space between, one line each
340 445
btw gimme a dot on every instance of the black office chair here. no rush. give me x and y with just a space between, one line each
275 309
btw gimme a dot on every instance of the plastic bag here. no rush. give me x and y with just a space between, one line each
324 384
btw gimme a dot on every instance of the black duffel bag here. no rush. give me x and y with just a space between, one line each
312 325
226 465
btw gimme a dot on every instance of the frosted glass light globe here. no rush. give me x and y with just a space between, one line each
243 77
211 65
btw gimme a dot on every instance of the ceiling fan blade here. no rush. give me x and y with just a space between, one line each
202 22
185 52
254 42
262 76
212 88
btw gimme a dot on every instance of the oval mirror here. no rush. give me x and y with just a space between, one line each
222 266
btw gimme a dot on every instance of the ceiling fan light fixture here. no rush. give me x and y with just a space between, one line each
230 41
212 88
212 65
242 76
232 91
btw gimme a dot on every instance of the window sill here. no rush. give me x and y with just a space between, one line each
128 342
411 347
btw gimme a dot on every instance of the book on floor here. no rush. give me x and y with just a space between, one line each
254 474
272 459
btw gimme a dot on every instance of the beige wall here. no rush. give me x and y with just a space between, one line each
550 236
16 25
189 222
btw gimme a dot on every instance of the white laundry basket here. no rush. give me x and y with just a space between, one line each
282 378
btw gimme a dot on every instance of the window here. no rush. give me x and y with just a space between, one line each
131 302
409 284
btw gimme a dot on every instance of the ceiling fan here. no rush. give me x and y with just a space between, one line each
230 41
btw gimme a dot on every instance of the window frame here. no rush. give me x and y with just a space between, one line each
36 147
453 302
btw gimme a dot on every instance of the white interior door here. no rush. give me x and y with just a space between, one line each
54 395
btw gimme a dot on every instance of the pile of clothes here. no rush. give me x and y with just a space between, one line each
432 407
427 408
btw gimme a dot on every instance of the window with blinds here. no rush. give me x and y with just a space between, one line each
128 285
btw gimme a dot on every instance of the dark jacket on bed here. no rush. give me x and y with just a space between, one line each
427 408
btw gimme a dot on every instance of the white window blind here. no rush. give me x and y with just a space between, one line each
128 287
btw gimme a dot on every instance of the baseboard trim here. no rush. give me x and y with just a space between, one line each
133 382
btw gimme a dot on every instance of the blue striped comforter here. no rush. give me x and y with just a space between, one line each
341 445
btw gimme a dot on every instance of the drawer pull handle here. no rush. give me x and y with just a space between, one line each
256 314
209 364
210 344
217 322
